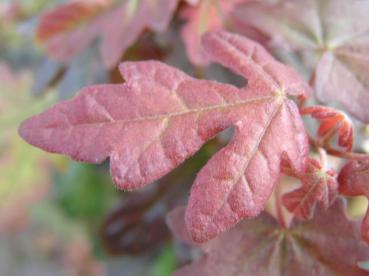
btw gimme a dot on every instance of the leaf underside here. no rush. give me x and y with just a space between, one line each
261 247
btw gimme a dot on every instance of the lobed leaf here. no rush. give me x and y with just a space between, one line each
319 190
334 33
261 247
161 116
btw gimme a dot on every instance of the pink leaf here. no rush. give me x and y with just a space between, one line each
319 189
261 247
70 28
59 29
138 15
354 181
332 122
336 30
161 116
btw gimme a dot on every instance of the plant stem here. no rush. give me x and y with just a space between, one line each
339 153
348 154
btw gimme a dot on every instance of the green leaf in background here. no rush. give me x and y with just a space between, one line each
84 192
165 264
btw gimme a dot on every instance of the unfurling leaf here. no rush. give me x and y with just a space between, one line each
319 190
335 33
85 21
354 181
161 116
327 245
332 122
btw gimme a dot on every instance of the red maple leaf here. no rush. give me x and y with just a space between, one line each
319 189
332 34
332 122
327 245
161 116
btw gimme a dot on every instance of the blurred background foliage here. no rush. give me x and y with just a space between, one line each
59 217
52 210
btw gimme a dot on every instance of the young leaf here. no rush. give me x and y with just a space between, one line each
118 25
354 181
327 245
332 122
335 30
319 189
161 116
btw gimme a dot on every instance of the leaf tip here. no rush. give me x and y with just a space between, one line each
24 130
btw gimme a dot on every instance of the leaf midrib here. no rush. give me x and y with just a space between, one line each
163 116
248 160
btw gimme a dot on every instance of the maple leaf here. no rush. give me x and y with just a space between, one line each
85 21
353 180
319 188
161 116
334 32
208 16
332 122
261 247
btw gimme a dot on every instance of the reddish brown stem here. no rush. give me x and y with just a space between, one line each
348 154
339 153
